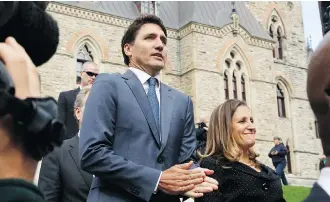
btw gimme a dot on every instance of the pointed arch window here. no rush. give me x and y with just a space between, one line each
243 88
280 102
226 86
279 42
147 7
288 158
83 56
235 76
276 32
271 34
234 86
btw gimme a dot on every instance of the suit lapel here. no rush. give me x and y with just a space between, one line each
166 109
76 91
74 154
140 95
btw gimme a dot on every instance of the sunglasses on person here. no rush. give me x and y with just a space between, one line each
91 74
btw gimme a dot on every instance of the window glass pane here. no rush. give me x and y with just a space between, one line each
83 56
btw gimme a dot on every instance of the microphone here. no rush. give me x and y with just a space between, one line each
33 28
34 119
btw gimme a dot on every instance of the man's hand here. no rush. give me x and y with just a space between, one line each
206 128
21 69
207 186
179 179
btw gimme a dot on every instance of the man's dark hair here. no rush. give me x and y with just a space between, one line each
133 29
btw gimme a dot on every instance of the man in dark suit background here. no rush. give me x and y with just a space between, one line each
67 98
61 179
318 92
137 130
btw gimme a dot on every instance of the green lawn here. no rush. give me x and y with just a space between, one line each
295 194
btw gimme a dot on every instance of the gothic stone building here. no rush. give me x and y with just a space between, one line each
253 51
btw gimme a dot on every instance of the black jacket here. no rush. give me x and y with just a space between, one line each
282 151
18 190
66 101
317 195
61 179
241 183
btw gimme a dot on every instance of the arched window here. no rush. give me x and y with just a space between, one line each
280 102
234 86
289 159
83 56
243 88
235 75
148 7
277 33
271 34
279 41
226 86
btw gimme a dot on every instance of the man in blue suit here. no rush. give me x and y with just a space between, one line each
318 91
137 136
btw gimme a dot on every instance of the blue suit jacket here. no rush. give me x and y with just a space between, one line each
120 141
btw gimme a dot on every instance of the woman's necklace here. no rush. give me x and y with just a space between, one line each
251 164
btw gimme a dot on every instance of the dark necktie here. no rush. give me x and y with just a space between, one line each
152 97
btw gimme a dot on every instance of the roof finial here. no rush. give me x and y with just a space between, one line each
235 18
233 9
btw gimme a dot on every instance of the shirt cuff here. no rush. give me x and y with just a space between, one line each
155 190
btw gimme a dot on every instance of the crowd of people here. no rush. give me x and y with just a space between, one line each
132 138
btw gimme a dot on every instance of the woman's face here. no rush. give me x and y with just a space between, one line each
243 128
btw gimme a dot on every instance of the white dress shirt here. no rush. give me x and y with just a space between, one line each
144 77
324 180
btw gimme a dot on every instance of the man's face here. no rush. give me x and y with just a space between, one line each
79 112
318 90
89 74
148 52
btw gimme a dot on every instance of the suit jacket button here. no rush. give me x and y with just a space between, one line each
160 159
265 186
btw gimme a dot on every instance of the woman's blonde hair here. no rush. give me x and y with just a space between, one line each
220 139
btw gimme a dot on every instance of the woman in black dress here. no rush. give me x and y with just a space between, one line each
229 152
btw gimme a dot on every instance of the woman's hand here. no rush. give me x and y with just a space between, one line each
21 69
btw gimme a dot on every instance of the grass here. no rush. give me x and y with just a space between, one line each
295 194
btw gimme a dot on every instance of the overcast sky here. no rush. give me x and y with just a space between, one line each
312 22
